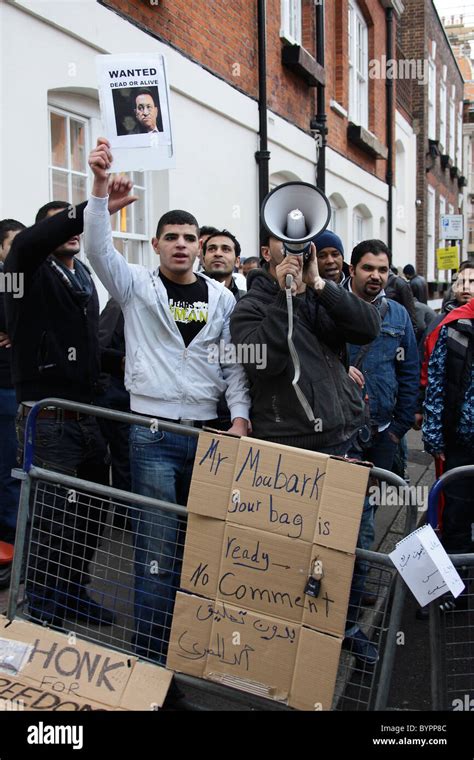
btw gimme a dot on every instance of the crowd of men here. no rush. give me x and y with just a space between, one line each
369 371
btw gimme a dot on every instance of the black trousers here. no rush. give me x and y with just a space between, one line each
65 525
458 515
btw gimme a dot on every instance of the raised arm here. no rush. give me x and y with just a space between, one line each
33 246
109 265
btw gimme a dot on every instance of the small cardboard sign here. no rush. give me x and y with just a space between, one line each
56 674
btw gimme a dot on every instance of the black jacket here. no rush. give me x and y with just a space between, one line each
322 326
5 353
399 290
419 288
55 346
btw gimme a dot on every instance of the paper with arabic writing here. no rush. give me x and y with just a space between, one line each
425 567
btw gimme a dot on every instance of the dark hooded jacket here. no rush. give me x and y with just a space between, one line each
323 324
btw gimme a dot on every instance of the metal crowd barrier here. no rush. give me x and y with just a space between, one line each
452 631
61 512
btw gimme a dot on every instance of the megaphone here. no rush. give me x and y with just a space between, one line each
295 213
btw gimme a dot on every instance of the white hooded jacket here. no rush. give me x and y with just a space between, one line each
163 376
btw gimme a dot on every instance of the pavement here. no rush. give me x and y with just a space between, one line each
410 684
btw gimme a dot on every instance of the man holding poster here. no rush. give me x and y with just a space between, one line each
174 318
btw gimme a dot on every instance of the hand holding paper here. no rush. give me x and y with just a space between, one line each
100 160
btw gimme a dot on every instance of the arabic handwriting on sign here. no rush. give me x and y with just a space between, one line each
429 576
219 652
195 653
404 561
436 588
262 627
419 553
204 612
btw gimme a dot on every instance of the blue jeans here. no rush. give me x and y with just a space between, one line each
9 487
381 452
161 466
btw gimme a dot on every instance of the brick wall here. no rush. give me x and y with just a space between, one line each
221 35
419 26
217 34
337 80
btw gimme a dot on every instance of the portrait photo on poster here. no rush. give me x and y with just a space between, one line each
137 110
134 98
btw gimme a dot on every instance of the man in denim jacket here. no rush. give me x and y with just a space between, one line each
387 372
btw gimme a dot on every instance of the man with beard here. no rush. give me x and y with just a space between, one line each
386 372
220 257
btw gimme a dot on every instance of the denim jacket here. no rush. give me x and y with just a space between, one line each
391 371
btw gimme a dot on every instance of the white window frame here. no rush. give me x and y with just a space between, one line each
68 115
459 137
334 215
452 118
400 185
131 237
442 115
360 226
358 66
430 235
442 273
291 26
431 99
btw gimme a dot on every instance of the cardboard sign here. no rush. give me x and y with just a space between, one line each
260 516
135 110
253 652
41 669
447 258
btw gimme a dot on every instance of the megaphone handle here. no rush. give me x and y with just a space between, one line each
289 280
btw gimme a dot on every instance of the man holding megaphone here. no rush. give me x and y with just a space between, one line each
303 396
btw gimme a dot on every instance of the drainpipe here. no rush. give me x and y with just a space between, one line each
321 118
262 156
389 91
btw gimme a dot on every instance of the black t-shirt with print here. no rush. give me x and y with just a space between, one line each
188 306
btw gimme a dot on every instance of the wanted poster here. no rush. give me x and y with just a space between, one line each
135 108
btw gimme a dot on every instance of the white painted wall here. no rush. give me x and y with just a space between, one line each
404 212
